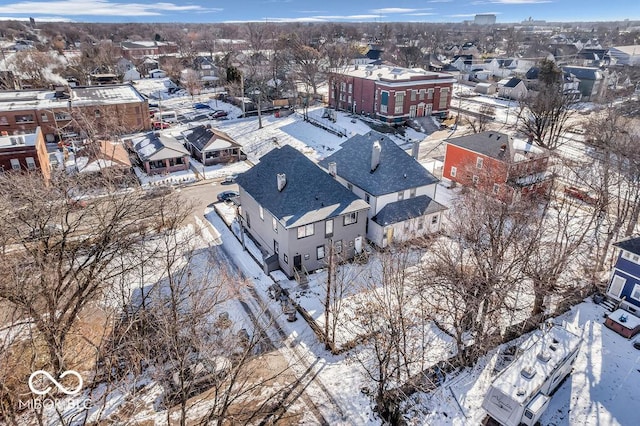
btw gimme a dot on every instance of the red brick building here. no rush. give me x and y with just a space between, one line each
24 152
391 94
140 49
117 107
497 164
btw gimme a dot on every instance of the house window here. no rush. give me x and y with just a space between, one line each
384 101
430 94
248 221
343 86
350 218
276 247
367 197
31 163
479 162
412 193
635 258
636 292
444 95
400 195
306 256
350 88
421 94
413 95
475 179
15 164
61 116
261 211
434 219
24 118
4 121
286 259
454 170
328 228
320 252
399 107
338 247
349 99
305 230
496 188
44 117
350 187
274 224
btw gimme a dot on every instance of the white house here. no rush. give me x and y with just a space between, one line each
398 189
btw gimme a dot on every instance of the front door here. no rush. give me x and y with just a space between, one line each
420 109
297 262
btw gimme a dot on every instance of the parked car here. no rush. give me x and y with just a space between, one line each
580 194
227 196
229 179
49 230
201 105
160 125
218 114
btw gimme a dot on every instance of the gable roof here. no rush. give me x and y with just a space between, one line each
584 73
512 82
396 171
410 208
207 138
152 147
310 195
631 245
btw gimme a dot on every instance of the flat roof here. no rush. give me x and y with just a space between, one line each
386 72
557 344
79 96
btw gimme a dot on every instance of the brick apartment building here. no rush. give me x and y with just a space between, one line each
497 164
391 94
25 152
140 49
67 110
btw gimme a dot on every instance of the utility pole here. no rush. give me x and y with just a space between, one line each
242 93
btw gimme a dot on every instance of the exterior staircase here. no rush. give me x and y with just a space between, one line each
609 304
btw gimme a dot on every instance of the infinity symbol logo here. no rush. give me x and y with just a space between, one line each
55 382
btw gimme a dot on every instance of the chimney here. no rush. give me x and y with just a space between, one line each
375 155
333 168
282 181
415 149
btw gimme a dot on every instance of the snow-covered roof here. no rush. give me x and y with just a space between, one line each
386 72
152 147
554 347
78 96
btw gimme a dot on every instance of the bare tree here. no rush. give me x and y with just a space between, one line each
31 67
191 81
544 113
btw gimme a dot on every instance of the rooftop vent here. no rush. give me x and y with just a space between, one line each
544 356
333 168
528 372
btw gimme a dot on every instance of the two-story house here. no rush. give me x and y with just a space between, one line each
497 164
295 212
624 288
391 94
624 285
399 190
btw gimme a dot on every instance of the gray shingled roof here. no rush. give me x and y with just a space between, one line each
513 82
631 245
584 73
205 137
152 147
487 143
407 209
310 195
397 171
